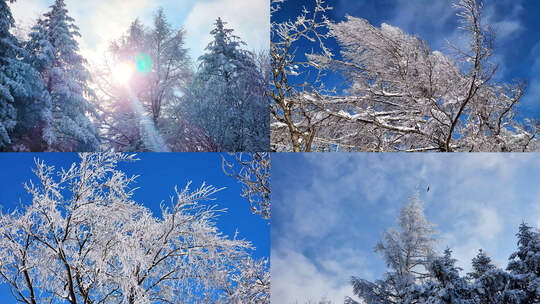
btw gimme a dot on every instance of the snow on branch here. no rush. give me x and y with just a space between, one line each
400 95
84 239
253 172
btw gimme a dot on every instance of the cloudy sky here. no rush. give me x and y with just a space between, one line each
101 21
516 23
330 211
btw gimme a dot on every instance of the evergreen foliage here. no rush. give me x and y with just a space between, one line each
443 283
55 55
228 95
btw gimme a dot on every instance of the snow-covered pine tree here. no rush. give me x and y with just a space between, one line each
495 287
407 253
481 264
171 65
445 286
24 105
55 55
8 82
442 283
228 96
524 266
487 281
9 50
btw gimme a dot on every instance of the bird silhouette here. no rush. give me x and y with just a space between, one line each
427 189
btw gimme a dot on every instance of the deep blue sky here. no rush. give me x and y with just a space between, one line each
517 24
330 211
159 173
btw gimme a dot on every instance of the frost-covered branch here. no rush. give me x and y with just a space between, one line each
285 36
401 95
83 239
253 172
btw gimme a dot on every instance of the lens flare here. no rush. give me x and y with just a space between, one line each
144 63
123 72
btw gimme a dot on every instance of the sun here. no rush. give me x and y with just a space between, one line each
122 72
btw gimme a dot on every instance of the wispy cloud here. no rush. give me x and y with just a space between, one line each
532 97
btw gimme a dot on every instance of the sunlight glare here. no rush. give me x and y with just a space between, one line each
122 72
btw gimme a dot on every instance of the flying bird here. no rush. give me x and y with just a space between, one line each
427 189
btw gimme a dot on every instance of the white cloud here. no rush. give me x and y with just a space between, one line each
506 26
298 279
417 16
27 11
108 20
488 222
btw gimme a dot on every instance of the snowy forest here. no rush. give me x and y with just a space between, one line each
147 95
398 95
417 273
83 238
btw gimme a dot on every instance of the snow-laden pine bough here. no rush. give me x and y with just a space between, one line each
83 239
400 96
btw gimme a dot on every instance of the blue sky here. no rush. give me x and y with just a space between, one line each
159 173
330 211
516 22
101 21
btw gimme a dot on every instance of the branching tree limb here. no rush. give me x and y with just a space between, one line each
253 172
401 95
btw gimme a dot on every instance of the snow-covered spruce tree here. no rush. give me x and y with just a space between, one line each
489 284
445 286
55 55
229 94
146 110
401 95
524 266
407 253
8 83
24 105
481 264
83 239
252 170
